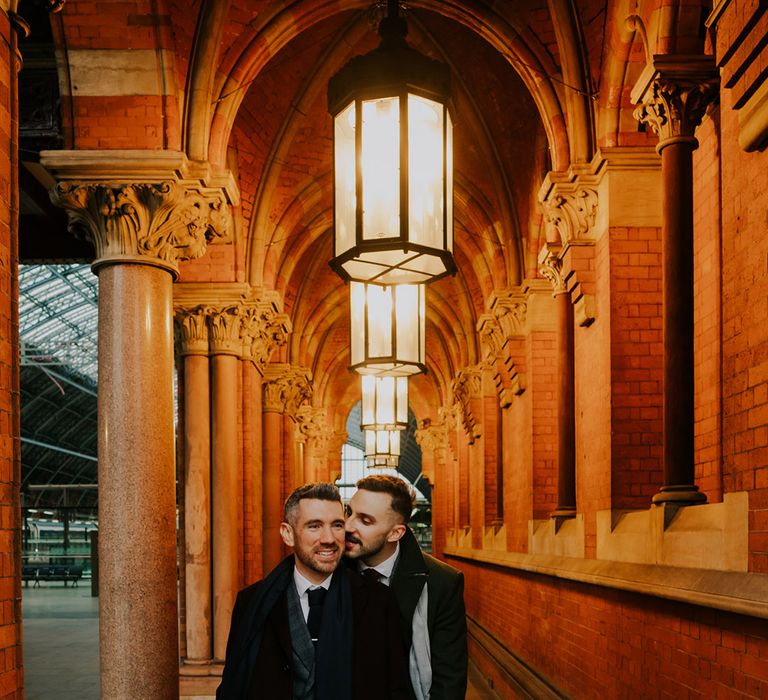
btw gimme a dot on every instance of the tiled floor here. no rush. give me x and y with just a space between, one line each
61 645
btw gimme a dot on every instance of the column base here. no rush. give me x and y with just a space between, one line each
680 495
197 667
563 512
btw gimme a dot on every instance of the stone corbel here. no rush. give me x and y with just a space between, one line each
312 425
465 388
565 281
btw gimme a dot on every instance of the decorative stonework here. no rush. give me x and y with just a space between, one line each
159 223
264 329
673 93
224 325
551 268
511 310
465 387
491 337
191 327
431 436
312 424
286 388
570 215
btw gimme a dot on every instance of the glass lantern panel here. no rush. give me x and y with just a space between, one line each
409 325
379 320
357 322
449 181
385 401
368 414
402 400
344 173
425 172
380 164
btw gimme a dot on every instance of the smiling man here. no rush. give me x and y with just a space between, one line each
430 594
304 632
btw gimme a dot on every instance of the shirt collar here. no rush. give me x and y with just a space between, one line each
385 567
303 584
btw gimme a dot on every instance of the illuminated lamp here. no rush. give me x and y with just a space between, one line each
382 448
387 329
393 163
385 403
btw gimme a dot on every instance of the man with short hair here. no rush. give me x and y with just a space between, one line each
430 594
312 630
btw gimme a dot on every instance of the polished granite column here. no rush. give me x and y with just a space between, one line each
225 348
139 231
673 93
193 348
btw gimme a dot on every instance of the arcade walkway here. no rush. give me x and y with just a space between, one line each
61 645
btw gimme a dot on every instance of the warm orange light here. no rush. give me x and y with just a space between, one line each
385 403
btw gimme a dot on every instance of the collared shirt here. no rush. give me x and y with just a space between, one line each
303 585
384 568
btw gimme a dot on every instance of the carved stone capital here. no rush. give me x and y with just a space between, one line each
551 268
286 388
224 326
431 436
571 214
312 425
466 386
191 327
491 337
154 223
264 329
673 93
511 310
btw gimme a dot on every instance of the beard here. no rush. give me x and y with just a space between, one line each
312 560
364 551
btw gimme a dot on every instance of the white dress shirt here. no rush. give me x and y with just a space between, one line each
384 568
303 585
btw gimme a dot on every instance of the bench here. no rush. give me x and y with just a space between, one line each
51 572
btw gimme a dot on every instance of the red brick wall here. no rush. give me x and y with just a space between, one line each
707 311
10 545
636 366
593 642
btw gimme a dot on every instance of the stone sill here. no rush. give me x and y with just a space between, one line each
732 591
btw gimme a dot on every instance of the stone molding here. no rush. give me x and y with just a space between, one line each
150 207
673 93
286 389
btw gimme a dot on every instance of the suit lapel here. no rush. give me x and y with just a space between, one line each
410 575
299 633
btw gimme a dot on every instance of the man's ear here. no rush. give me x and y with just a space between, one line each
396 533
286 532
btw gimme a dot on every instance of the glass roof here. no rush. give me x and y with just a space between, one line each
58 317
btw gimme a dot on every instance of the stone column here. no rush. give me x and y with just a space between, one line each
225 348
193 348
285 390
139 231
264 329
551 268
673 93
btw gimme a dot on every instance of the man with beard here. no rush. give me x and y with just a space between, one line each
430 594
306 631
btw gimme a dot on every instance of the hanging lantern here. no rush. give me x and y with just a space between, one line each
385 403
393 167
382 448
387 329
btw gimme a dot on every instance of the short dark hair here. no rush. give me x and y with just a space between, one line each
402 493
320 491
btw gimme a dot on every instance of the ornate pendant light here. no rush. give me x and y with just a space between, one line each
382 448
387 329
385 403
393 166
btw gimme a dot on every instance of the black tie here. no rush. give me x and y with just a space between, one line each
373 575
314 619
